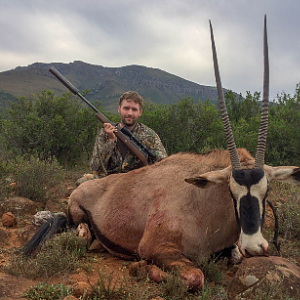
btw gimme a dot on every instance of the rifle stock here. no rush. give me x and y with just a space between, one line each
123 138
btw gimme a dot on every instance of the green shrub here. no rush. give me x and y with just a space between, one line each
51 126
288 198
36 178
47 291
110 288
174 287
5 181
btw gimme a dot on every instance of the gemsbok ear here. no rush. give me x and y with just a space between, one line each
287 174
210 179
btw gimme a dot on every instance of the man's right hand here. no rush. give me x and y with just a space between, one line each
110 131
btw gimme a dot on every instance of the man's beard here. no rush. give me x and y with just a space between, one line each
129 122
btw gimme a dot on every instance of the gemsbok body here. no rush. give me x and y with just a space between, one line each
184 208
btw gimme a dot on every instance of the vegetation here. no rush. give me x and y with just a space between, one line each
43 136
111 287
58 256
105 83
49 126
35 178
186 126
5 100
47 291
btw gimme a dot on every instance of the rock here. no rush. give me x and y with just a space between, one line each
9 220
20 206
85 178
41 217
258 275
139 269
70 297
82 288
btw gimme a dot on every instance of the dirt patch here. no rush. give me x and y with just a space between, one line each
12 287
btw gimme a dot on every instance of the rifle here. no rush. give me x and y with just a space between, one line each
130 143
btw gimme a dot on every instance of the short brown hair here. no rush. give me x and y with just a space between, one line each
134 96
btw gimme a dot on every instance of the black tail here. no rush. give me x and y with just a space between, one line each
47 230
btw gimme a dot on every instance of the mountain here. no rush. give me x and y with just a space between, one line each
106 84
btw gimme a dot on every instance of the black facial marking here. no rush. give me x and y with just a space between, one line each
105 241
249 214
235 210
248 217
248 177
264 212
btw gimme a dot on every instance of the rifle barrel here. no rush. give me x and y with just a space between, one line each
129 144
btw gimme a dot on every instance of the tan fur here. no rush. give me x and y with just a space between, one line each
157 216
84 232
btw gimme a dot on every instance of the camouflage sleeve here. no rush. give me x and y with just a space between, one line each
158 148
102 152
152 141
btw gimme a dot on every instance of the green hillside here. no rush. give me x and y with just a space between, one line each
106 84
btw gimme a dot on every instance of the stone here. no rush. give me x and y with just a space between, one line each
139 269
41 217
85 178
9 220
258 275
20 206
70 297
82 288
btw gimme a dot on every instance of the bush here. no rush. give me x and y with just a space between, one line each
47 291
36 178
289 211
5 181
51 126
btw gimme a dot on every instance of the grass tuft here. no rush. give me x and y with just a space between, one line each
57 256
47 291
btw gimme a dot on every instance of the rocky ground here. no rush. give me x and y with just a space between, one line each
18 233
252 273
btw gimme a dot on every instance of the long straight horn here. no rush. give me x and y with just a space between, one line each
235 161
263 129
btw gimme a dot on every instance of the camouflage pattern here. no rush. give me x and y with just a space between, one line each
107 155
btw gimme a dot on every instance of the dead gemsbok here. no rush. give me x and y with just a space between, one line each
180 210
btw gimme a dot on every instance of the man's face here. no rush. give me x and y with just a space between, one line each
129 112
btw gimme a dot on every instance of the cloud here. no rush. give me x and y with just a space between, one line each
173 36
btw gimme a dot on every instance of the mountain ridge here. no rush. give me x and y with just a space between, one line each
105 83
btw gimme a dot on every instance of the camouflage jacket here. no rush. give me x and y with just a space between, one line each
107 155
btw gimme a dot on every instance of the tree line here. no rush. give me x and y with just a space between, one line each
49 127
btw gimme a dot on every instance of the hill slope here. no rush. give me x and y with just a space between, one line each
106 84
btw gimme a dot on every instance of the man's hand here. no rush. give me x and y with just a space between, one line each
110 131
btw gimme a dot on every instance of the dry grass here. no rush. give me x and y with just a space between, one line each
56 257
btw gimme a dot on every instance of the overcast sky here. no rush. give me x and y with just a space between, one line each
170 35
